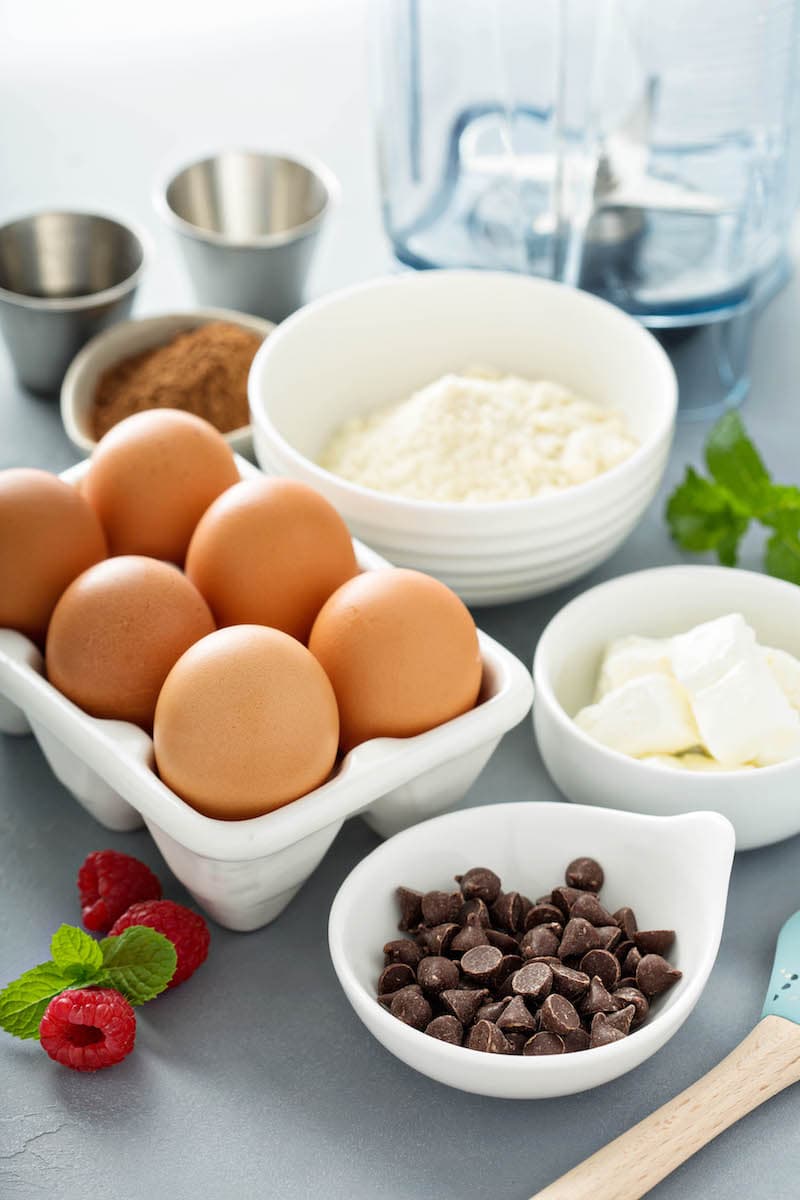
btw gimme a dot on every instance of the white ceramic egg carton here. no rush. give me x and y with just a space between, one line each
244 873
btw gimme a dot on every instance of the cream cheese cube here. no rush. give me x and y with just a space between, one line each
743 716
703 655
647 715
786 669
630 657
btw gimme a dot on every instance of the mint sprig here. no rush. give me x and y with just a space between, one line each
714 514
139 964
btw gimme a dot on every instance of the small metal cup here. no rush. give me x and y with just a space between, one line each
64 276
247 224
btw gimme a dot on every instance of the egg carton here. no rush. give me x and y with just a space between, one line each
244 873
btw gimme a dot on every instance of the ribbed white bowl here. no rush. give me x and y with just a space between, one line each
368 345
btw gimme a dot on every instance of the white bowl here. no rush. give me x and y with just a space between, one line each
244 873
673 873
133 337
375 343
762 804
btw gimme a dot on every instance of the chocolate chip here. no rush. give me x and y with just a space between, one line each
507 911
438 908
492 1010
435 974
558 1015
438 939
627 981
503 941
395 976
474 912
543 1043
534 979
610 936
631 961
598 999
506 988
463 1003
654 941
603 1033
622 1019
467 938
543 914
517 1018
589 907
487 1037
579 937
446 1029
575 1040
479 883
570 983
410 907
626 919
655 975
509 964
411 1007
481 963
632 996
564 898
621 950
600 963
539 942
584 873
516 1041
402 950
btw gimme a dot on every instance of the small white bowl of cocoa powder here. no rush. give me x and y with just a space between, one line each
196 360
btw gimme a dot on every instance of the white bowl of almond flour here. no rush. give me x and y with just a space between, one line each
501 432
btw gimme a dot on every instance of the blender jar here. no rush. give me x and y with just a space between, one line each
644 151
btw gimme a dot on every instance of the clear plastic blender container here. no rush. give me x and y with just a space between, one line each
646 151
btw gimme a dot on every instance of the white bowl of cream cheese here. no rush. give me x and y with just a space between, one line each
761 801
358 350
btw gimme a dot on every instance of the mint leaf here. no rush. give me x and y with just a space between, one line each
736 465
781 508
139 963
701 517
22 1003
782 557
77 955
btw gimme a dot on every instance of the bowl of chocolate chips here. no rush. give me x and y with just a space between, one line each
536 949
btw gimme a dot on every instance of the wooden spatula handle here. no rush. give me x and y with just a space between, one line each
766 1062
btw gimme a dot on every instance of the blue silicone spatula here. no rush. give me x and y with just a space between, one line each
766 1062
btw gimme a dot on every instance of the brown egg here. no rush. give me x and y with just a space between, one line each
270 552
117 632
48 535
153 476
401 652
246 722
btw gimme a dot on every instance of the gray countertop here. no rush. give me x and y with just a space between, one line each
256 1079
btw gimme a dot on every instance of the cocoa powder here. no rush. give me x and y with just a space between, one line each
203 371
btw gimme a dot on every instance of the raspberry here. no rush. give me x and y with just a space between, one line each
88 1028
186 930
109 883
